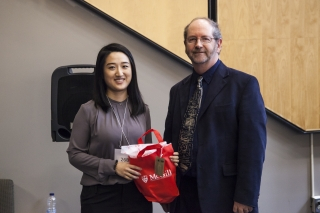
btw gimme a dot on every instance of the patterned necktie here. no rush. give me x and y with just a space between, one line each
188 127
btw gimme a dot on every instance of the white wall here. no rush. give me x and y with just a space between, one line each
37 36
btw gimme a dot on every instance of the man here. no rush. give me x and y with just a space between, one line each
227 147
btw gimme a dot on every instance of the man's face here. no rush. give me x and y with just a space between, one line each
198 51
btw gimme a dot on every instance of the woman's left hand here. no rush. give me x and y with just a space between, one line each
175 158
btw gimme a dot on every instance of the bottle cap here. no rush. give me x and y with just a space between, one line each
51 194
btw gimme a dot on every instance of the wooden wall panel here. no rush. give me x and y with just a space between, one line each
282 19
160 21
228 27
279 43
255 18
311 20
276 75
298 95
311 66
297 23
318 106
269 18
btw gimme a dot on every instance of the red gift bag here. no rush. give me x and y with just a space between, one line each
155 188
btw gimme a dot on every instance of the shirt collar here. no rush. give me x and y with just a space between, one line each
207 76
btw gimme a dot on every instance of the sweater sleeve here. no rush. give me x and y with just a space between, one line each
78 150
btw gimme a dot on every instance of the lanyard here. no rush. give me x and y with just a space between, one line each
118 120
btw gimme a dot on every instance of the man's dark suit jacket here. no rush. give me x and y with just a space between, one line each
231 139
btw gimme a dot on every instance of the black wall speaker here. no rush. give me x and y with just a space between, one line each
69 89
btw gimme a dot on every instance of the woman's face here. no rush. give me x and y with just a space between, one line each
117 72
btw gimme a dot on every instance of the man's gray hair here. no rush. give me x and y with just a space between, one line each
216 31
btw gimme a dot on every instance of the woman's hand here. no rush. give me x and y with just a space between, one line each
127 171
175 158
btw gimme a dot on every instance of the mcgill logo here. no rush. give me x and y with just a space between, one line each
154 177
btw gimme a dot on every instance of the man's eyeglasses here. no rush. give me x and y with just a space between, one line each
203 40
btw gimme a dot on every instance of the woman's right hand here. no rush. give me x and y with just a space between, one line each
127 171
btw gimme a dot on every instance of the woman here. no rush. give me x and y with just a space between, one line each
115 117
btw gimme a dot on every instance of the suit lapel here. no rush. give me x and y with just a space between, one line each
184 95
219 80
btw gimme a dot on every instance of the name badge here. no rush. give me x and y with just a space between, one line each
120 156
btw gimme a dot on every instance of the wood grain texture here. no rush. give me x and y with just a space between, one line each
277 78
312 87
318 117
160 21
279 43
276 41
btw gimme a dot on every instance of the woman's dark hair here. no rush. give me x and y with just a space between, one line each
100 87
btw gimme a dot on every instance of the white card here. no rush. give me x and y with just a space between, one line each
120 156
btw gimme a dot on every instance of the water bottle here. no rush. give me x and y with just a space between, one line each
51 203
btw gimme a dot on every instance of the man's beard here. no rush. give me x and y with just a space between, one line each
196 59
205 55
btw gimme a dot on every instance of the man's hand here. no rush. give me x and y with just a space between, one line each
240 208
175 158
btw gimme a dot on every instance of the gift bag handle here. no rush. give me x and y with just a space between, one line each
156 133
157 146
